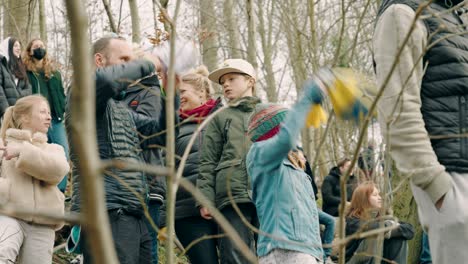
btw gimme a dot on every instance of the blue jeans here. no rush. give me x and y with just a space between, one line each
153 208
425 257
328 234
57 135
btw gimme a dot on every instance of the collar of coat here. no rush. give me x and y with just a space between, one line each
245 104
26 135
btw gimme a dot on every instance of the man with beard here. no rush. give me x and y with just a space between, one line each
423 112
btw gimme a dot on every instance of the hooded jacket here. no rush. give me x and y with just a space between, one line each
331 191
10 91
30 181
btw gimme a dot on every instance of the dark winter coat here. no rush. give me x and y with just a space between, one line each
185 203
331 191
117 136
444 90
224 149
52 89
10 92
353 225
146 99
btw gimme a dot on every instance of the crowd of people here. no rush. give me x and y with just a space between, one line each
247 161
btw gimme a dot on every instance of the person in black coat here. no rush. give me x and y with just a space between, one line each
14 82
363 215
331 190
196 104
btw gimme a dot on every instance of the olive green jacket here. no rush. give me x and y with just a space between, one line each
224 149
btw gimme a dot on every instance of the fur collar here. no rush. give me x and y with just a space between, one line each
25 135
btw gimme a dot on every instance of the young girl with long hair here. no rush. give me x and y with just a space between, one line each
31 168
46 80
363 215
14 82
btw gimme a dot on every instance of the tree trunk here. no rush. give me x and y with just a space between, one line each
251 49
42 21
208 37
266 41
136 36
16 18
232 29
83 138
109 15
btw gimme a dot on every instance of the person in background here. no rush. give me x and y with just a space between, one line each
46 80
197 103
223 152
363 215
282 191
31 169
324 219
14 82
331 190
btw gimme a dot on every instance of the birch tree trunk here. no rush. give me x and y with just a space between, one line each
109 15
42 21
136 36
84 140
251 48
232 29
208 38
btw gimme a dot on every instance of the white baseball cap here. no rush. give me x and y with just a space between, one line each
232 66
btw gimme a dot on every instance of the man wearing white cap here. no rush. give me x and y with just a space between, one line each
222 162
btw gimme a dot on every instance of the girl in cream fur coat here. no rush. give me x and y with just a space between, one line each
30 171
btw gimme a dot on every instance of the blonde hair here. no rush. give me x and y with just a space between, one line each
28 60
14 115
198 78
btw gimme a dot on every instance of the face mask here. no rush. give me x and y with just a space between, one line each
39 53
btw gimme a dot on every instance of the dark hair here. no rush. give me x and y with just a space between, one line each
16 64
101 45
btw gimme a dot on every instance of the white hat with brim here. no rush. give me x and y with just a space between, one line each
232 66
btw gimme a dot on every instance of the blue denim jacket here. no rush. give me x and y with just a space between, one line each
283 194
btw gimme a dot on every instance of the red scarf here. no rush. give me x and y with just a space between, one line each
200 112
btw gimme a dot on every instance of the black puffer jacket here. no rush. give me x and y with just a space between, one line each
331 191
146 99
117 136
9 92
185 204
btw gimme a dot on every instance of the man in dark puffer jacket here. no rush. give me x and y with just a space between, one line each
117 137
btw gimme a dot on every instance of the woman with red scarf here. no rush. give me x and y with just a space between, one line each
196 104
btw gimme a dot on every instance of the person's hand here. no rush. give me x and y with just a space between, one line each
10 151
205 213
440 202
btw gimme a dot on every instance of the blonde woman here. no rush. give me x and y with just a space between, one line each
31 170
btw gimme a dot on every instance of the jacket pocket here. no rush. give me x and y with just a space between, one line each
299 225
5 187
227 163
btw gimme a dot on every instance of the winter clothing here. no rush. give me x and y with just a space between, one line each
29 181
185 203
283 193
52 89
10 90
146 99
265 123
437 165
117 137
224 148
331 191
404 231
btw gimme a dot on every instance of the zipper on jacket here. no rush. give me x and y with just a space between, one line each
38 86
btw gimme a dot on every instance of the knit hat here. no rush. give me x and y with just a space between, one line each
265 121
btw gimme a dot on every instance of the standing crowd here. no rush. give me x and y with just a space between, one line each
247 161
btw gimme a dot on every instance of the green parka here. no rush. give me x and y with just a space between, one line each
224 149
